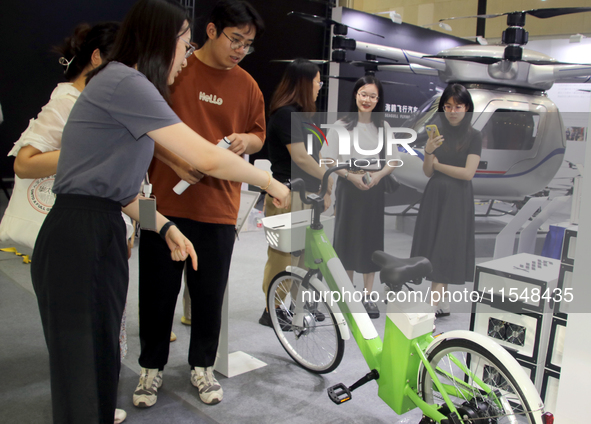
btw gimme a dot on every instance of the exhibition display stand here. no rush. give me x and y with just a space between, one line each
236 363
523 304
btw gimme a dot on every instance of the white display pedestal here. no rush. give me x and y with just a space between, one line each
236 363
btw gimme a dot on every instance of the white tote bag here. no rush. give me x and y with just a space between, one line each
32 199
29 204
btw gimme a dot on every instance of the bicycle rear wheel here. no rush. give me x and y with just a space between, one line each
304 324
460 365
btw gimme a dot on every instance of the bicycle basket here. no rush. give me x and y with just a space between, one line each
287 232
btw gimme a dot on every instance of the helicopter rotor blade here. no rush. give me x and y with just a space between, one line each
354 79
370 63
398 83
379 60
316 61
553 62
495 15
319 20
325 2
556 11
538 13
487 60
350 79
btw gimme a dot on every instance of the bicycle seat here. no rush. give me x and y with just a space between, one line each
397 271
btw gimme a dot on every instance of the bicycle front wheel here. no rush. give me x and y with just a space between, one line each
304 324
478 384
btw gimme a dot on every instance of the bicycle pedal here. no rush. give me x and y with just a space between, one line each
339 393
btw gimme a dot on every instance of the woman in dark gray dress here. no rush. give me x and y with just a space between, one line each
444 231
359 226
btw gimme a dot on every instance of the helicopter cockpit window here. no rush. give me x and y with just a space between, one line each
510 130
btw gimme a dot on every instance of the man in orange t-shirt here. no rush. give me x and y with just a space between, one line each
217 99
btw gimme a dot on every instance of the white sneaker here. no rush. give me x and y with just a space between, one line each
146 392
210 390
120 416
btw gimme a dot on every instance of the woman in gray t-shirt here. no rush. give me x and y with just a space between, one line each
80 269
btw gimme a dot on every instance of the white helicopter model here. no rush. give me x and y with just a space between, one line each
523 133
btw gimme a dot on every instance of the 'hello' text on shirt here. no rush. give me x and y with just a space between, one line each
210 98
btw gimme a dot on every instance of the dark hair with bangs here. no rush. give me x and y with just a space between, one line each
377 116
77 49
235 13
460 95
295 87
463 132
148 38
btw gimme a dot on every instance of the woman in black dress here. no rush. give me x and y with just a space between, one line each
359 226
444 231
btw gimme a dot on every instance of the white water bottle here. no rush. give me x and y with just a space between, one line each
224 143
183 185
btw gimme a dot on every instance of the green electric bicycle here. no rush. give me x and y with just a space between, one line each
458 377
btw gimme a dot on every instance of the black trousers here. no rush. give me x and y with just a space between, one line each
160 283
80 276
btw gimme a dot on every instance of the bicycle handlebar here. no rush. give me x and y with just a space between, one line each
316 200
299 185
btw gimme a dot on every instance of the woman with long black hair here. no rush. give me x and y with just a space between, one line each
293 103
444 231
80 271
359 208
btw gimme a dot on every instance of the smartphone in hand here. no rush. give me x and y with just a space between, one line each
366 178
432 130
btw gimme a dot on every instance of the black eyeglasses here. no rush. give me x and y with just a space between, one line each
237 44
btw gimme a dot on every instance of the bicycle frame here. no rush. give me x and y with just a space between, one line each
402 358
398 358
